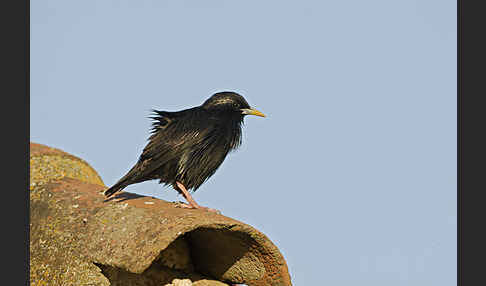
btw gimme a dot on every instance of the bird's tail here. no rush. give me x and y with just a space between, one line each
114 189
123 182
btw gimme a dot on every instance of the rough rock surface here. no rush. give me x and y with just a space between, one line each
77 237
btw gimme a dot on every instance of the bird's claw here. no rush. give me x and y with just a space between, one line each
211 210
182 205
188 206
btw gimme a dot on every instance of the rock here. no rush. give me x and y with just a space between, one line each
178 282
77 237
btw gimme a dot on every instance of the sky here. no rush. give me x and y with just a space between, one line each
352 174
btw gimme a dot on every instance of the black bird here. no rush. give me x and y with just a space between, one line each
186 147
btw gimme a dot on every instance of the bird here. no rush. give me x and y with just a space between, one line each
186 147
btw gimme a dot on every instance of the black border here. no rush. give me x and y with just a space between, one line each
27 123
470 143
15 112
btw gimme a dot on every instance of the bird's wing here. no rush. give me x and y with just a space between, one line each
172 134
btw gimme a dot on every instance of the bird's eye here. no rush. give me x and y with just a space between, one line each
235 105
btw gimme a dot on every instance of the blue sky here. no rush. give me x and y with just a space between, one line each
352 174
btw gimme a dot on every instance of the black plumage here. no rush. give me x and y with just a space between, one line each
187 147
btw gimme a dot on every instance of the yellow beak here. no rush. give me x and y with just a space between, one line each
248 111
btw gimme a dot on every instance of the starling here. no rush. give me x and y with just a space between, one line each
186 147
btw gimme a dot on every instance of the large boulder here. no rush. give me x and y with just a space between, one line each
78 237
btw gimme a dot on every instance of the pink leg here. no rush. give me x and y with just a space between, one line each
192 203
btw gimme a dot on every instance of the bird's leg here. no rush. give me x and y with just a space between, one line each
192 203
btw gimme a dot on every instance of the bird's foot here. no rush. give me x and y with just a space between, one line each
210 209
182 205
189 206
192 203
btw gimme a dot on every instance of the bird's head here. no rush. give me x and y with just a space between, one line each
230 102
